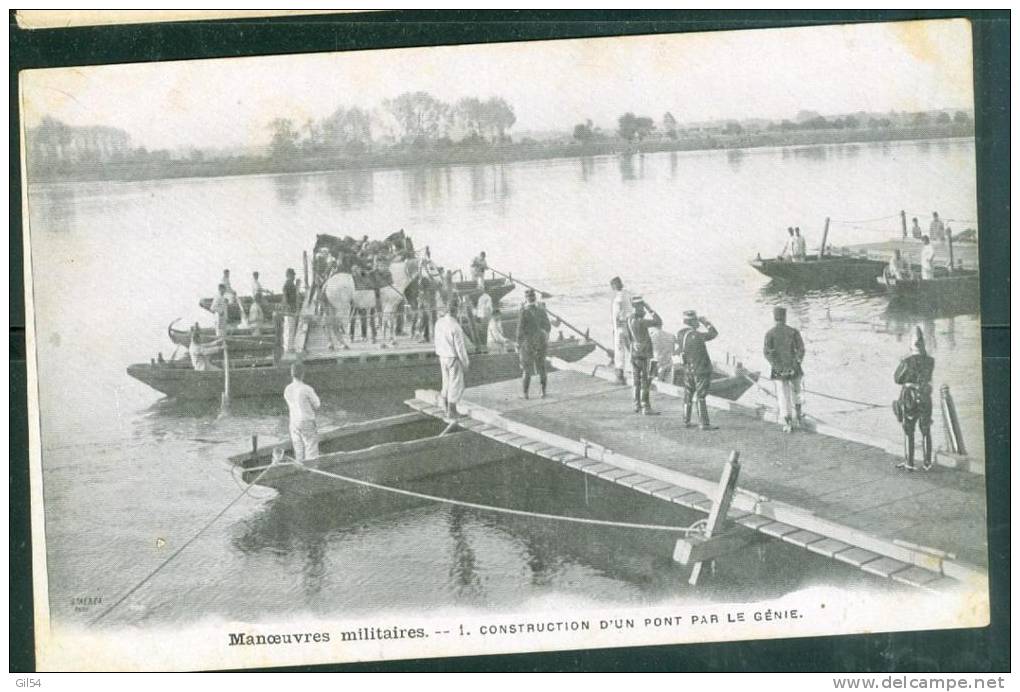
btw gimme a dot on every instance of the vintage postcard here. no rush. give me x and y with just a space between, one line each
510 347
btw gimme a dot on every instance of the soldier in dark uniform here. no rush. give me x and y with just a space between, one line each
697 366
642 352
913 408
784 350
532 339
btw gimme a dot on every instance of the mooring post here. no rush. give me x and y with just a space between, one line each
304 260
825 237
225 397
951 422
949 239
720 506
903 223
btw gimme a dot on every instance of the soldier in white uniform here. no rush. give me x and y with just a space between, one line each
453 357
620 312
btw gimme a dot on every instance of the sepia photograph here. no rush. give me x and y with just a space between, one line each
489 348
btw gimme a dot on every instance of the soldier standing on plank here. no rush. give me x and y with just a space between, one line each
784 350
690 345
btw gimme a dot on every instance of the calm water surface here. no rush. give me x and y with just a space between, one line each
128 477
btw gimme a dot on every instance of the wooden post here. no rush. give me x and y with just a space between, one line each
951 422
825 237
254 447
225 397
721 505
949 238
304 259
903 223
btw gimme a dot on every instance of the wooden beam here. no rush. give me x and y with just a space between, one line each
695 549
720 506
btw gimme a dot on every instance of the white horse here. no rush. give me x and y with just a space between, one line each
342 297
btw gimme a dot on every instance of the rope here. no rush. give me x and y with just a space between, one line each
864 220
180 550
491 508
866 404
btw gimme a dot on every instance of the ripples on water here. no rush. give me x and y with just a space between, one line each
128 477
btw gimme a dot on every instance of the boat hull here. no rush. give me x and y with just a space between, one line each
950 294
399 372
391 451
835 270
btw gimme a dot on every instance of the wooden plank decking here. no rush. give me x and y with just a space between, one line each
831 496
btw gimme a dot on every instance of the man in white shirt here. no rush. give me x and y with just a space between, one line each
495 339
201 354
453 357
483 313
219 307
256 285
799 246
927 259
620 312
302 402
789 248
936 229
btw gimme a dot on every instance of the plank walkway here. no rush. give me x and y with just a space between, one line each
831 496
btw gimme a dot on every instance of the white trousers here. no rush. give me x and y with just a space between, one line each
788 393
305 438
289 322
621 350
453 379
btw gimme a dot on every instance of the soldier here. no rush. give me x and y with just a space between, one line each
532 339
697 366
620 312
913 408
479 265
784 350
453 357
642 352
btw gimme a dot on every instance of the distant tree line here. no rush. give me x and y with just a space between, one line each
412 119
634 129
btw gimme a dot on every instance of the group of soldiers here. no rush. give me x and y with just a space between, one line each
641 344
531 343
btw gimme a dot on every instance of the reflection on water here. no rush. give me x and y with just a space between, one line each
350 189
54 206
289 188
427 187
632 167
734 157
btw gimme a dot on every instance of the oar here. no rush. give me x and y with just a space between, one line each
587 337
545 294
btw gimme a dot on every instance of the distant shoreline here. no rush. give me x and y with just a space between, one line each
457 154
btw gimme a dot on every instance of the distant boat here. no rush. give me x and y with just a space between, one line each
827 270
948 292
388 451
400 370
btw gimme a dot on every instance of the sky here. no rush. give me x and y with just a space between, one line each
768 73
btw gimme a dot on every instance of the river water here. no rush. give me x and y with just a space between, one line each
128 478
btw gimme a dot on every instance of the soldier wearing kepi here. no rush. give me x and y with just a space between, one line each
532 340
642 351
697 366
913 408
784 350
